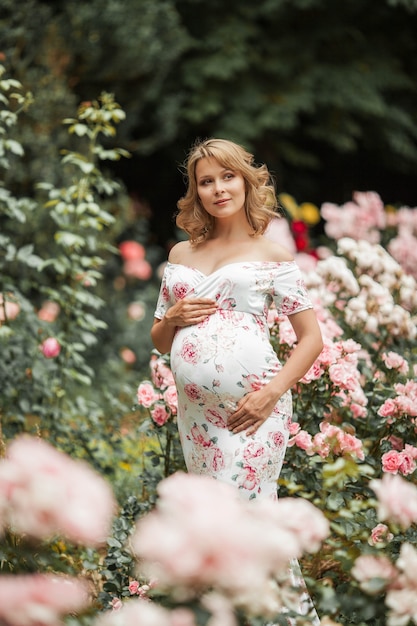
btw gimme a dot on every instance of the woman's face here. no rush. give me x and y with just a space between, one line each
221 190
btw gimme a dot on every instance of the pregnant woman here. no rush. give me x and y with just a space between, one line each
234 398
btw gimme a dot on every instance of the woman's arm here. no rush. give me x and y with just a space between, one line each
255 407
183 313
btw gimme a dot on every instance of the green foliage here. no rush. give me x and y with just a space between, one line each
312 86
56 253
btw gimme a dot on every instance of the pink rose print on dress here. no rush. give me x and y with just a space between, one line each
200 436
277 439
189 352
252 382
217 459
206 455
255 454
289 305
180 290
165 292
249 479
192 391
214 417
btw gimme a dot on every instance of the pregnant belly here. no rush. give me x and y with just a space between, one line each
229 347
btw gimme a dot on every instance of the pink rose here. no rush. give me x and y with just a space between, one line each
294 428
171 398
302 440
131 250
31 600
314 373
133 613
395 361
407 463
397 500
380 534
133 587
44 492
49 311
50 348
303 519
352 445
146 394
391 461
367 568
8 309
186 544
137 268
161 373
159 414
388 409
116 604
128 355
136 311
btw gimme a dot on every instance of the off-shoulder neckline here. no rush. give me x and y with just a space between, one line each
195 269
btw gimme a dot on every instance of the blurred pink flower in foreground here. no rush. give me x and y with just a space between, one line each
139 612
374 573
402 595
44 492
397 500
189 548
50 348
40 599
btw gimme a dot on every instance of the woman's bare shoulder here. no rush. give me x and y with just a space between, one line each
179 252
276 252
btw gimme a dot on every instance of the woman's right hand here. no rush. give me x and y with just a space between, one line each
188 311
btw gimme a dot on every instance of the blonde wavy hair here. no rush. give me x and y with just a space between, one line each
260 202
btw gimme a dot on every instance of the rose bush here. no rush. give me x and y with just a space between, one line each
351 451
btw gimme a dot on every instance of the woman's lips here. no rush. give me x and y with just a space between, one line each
223 201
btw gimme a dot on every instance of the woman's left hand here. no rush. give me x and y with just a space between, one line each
252 411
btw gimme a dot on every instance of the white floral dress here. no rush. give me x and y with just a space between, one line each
229 354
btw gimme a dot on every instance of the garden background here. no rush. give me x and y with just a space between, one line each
100 102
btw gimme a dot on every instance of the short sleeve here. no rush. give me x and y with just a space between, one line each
290 293
164 302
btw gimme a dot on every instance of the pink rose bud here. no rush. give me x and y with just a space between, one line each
50 348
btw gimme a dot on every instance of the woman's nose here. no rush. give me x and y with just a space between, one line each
218 186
